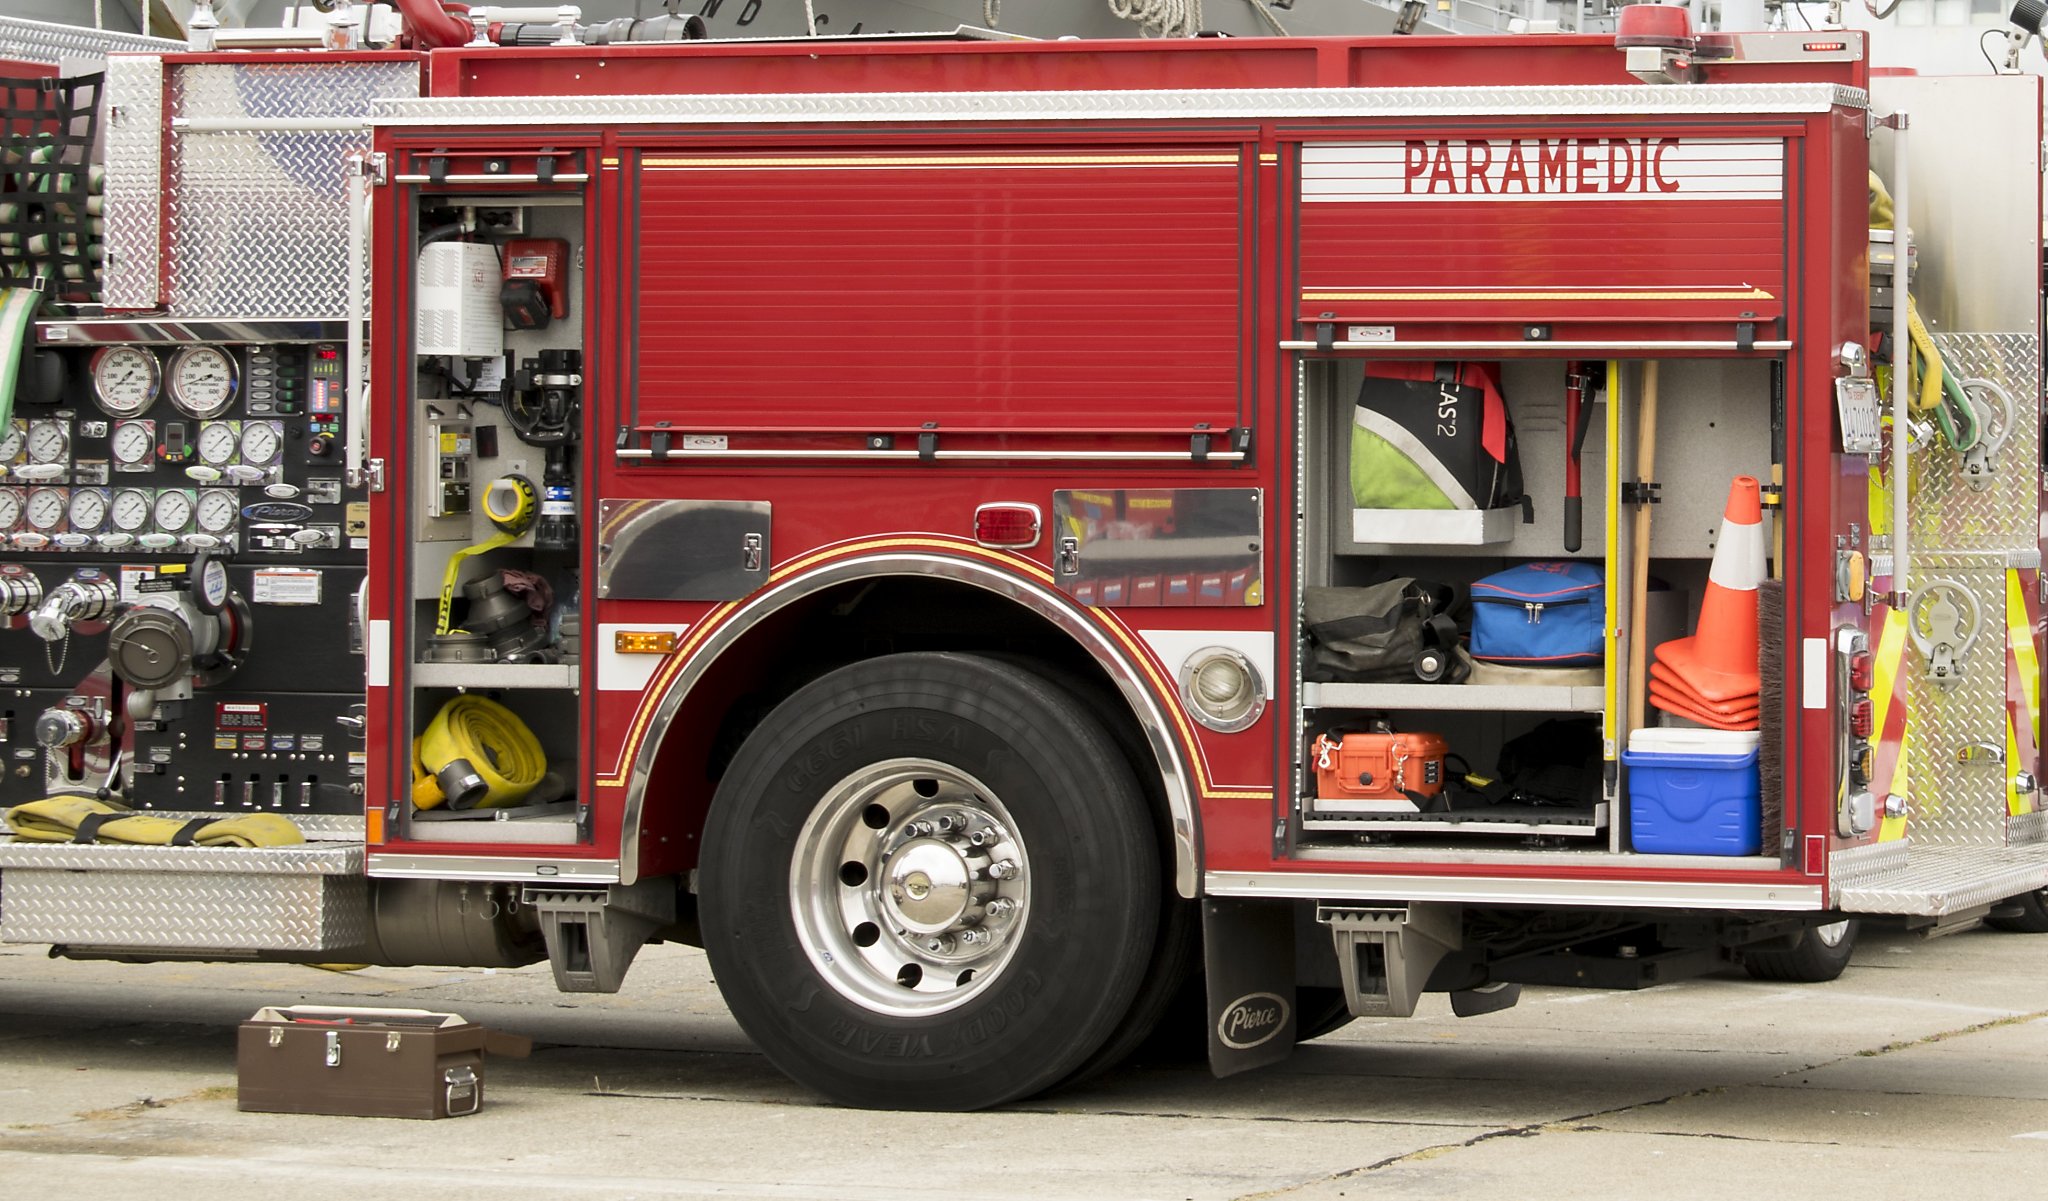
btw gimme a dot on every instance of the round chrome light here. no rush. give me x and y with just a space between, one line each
1222 689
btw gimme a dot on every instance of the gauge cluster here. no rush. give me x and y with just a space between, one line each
176 449
141 457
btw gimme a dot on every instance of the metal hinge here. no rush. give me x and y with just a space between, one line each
373 475
378 168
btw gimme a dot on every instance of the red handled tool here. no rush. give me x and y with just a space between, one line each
1578 404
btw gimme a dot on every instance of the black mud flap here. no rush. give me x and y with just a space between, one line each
1248 953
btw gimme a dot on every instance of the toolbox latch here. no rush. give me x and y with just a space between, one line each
334 1048
463 1096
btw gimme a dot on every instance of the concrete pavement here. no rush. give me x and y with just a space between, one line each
1919 1072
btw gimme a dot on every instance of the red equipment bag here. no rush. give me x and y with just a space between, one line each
1400 771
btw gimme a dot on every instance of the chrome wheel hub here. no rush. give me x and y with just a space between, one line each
909 887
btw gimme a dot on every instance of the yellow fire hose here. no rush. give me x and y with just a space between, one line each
475 754
511 505
1933 388
59 819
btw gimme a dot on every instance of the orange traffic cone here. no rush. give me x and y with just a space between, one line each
1718 662
1719 719
1664 683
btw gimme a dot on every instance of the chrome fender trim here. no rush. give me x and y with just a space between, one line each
1067 617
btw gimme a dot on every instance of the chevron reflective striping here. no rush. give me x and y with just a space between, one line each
1888 703
2022 692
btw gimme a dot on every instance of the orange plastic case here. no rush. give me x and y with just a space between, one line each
1379 767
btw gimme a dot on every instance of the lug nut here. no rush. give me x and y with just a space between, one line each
976 938
941 945
1002 869
1000 908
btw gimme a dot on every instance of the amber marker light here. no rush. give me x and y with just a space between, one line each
644 642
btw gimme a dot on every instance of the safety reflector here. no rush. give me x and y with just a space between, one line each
644 642
1860 721
1010 525
1861 666
1860 763
373 826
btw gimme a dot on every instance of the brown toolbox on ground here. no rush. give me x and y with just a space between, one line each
377 1063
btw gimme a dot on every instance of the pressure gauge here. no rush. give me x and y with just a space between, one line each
10 508
46 508
88 509
130 509
260 443
12 439
202 381
217 508
173 511
48 441
217 443
125 379
132 442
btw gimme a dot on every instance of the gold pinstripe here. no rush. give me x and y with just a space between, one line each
1548 294
659 685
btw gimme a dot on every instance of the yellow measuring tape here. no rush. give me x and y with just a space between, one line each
511 504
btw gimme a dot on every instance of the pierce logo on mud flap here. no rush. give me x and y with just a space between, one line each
1252 1020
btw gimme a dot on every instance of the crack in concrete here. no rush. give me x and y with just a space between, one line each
1584 1122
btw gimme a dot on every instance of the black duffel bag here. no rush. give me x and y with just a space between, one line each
1399 630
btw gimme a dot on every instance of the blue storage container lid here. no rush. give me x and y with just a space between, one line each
1691 762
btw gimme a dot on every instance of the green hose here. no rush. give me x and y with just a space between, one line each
17 317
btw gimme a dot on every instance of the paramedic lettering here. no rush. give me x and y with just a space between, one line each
1544 169
1538 165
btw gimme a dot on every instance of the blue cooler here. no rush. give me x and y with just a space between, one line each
1693 800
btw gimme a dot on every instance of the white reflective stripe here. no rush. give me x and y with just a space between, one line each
1814 688
1392 432
1739 558
377 650
1175 646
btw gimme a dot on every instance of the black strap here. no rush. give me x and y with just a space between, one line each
89 828
189 832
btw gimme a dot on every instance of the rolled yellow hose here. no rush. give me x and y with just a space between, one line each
498 747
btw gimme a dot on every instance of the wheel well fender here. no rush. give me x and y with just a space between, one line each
705 702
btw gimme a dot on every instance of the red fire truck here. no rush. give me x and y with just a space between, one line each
886 510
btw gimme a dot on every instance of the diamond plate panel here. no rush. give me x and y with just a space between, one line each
2026 828
310 859
41 42
1949 514
237 912
258 219
135 181
1126 105
1955 803
1942 880
1858 865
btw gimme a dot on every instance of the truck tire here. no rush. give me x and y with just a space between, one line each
1818 956
2024 914
929 882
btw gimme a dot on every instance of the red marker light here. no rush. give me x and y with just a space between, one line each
1860 719
1861 671
1013 526
1826 47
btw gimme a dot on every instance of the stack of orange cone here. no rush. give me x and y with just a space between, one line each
1711 677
